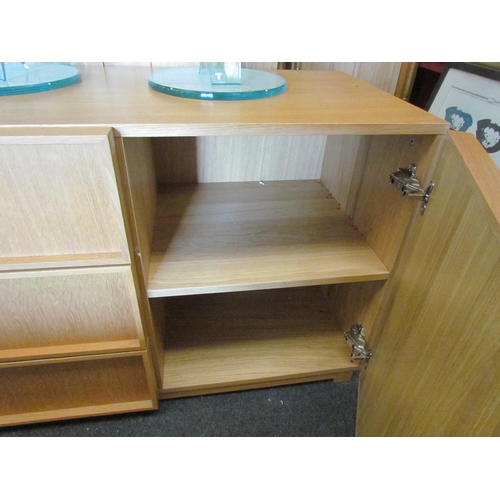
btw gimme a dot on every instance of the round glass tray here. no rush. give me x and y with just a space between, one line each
28 78
195 84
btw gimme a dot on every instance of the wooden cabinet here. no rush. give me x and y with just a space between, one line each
229 245
72 341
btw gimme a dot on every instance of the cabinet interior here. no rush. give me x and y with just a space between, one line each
257 252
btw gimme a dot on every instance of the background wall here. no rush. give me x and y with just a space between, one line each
383 75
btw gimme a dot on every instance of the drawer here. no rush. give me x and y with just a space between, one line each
75 387
59 201
54 313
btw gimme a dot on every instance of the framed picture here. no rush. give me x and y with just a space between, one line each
468 96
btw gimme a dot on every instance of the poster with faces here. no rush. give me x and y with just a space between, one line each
471 103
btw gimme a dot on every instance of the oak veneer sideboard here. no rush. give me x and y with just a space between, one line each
158 247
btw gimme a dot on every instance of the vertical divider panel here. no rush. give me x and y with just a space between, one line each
140 188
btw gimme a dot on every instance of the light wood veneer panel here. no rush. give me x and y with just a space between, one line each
246 236
59 204
138 159
379 210
60 311
315 102
234 341
183 160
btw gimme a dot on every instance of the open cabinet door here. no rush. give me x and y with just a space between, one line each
435 369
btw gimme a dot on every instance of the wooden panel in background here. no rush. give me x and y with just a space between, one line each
236 159
343 163
156 66
383 75
406 80
262 66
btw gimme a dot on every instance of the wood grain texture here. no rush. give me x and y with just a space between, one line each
358 303
73 387
315 103
485 176
216 342
383 75
59 201
67 308
379 210
435 369
138 188
406 80
263 66
139 166
342 169
157 336
64 350
237 159
223 237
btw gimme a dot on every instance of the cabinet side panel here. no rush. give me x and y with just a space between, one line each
239 158
379 211
158 326
357 303
139 164
139 191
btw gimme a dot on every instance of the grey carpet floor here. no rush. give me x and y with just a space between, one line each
319 409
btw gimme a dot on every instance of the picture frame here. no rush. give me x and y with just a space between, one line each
468 97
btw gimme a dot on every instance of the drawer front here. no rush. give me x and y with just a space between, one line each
59 202
76 387
53 313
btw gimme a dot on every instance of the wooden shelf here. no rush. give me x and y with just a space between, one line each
226 237
233 341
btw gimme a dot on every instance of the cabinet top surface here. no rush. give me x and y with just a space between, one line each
315 102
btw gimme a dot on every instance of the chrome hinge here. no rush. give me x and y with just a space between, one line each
406 181
357 340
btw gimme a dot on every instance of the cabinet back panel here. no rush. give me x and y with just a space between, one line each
344 159
183 160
